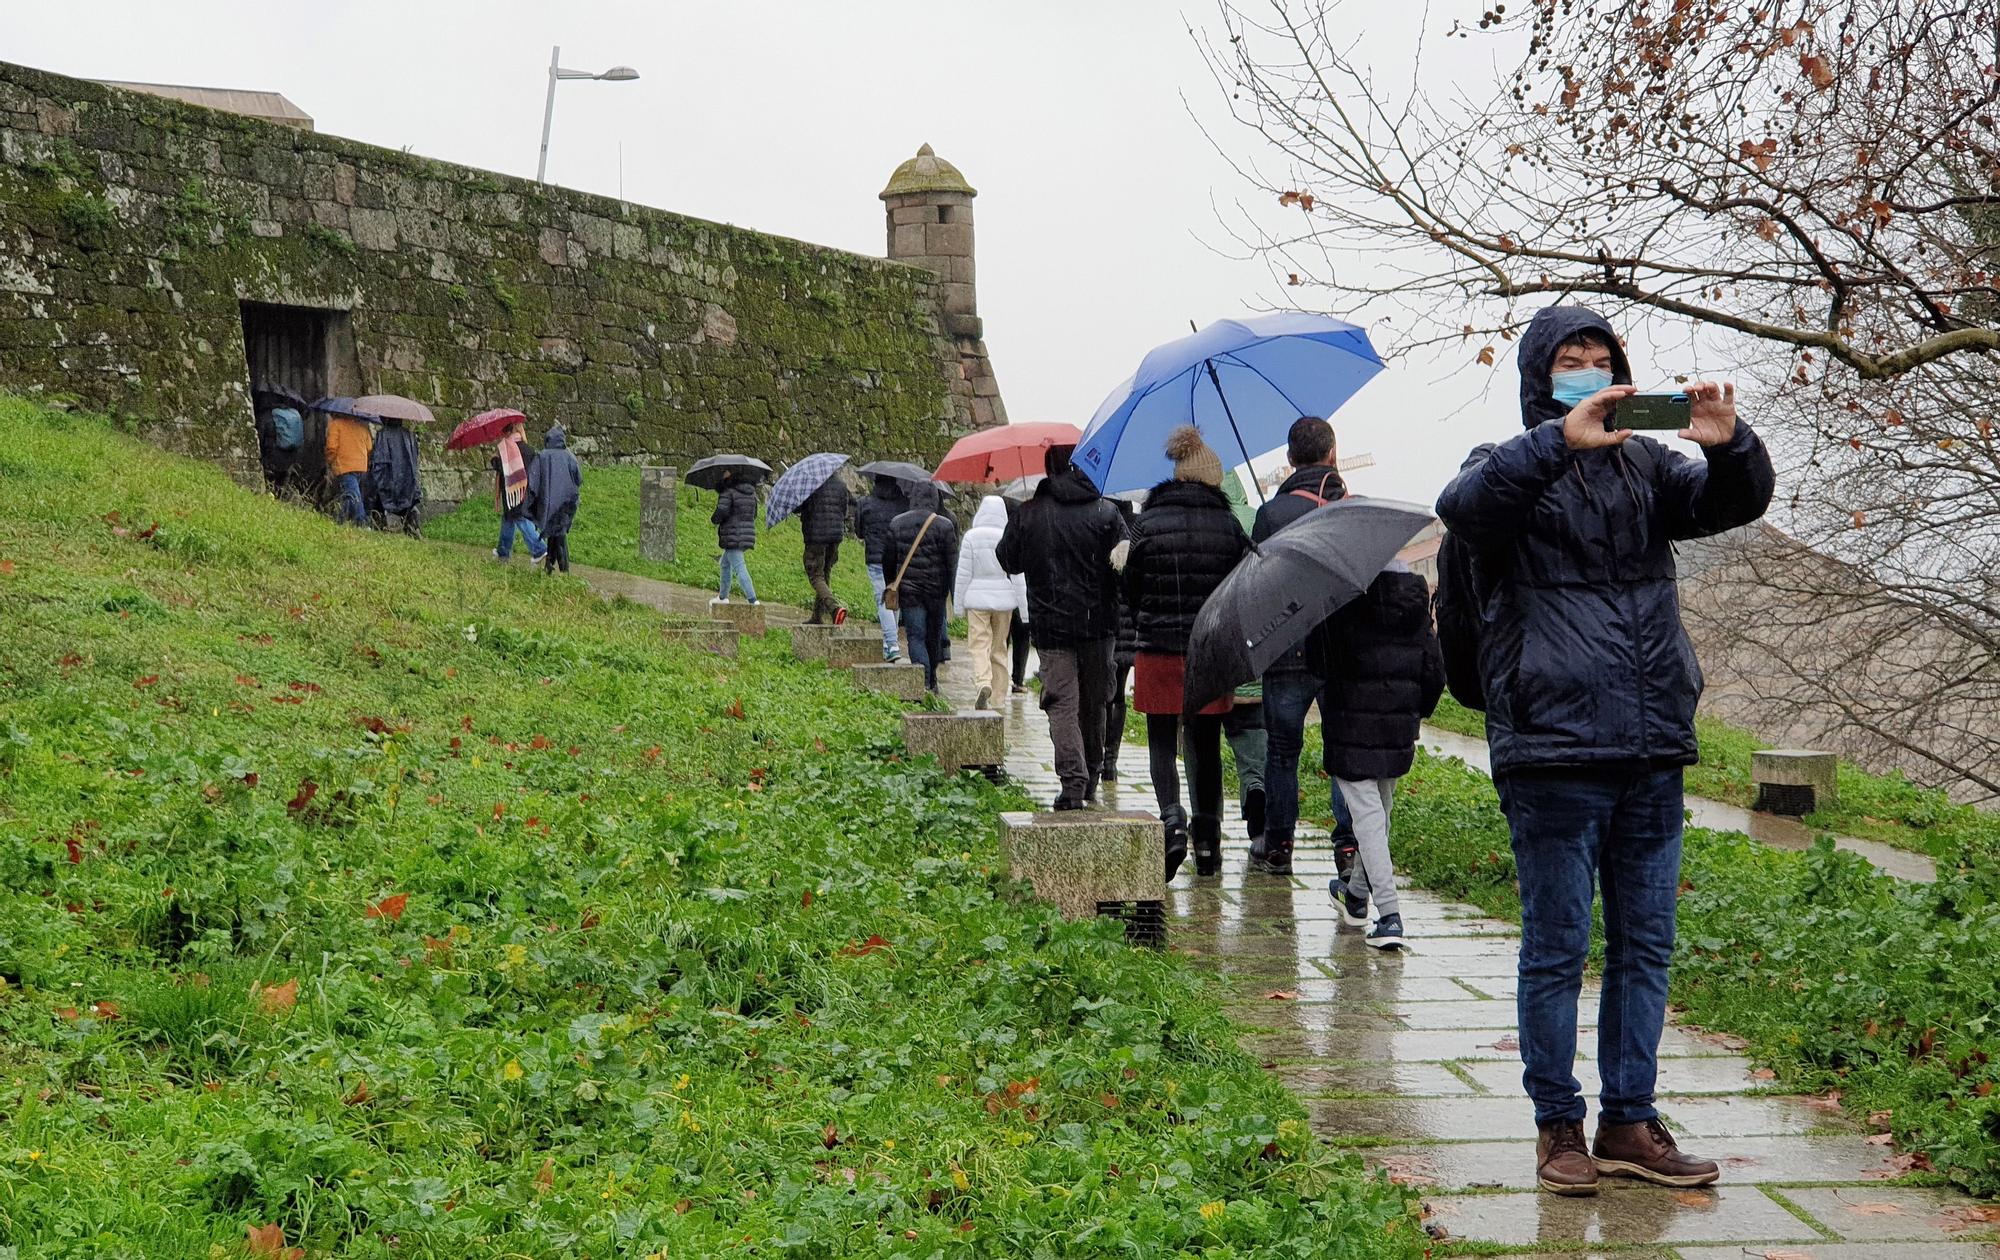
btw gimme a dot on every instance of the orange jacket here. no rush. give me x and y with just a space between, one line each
347 445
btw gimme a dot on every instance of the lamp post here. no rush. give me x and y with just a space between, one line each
616 74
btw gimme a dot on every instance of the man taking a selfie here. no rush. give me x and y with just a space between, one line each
1590 685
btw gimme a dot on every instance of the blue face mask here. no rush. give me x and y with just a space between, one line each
1571 388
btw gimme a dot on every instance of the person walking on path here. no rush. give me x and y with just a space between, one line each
1017 629
510 494
1061 541
735 521
872 516
392 470
555 487
1183 545
348 442
823 518
1296 679
1123 649
1590 684
922 558
1387 676
989 597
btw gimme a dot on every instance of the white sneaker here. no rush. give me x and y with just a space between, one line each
722 599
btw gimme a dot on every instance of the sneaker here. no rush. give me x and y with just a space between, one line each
1345 849
1020 690
722 599
985 698
1109 774
1388 933
840 616
894 658
754 603
497 556
1647 1151
1562 1164
1353 909
1067 803
1271 862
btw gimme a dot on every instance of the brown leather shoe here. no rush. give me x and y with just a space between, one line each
1647 1150
1563 1165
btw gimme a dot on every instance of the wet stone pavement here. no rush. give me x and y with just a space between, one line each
1412 1058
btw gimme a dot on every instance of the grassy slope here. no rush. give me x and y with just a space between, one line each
607 535
421 909
1885 807
1840 978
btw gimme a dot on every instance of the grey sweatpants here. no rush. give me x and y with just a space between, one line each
1374 876
1076 687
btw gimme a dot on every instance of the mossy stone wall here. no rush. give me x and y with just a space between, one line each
132 228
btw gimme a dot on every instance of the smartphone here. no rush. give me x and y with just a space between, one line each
1652 411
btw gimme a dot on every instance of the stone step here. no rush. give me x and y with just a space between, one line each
748 618
905 682
968 738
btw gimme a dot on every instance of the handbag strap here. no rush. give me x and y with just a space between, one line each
910 555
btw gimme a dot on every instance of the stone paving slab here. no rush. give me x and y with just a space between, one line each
1842 1251
1726 1116
1510 1164
1318 1080
1442 1119
1895 1214
1723 1074
1640 1215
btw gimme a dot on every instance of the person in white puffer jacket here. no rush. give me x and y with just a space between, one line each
988 596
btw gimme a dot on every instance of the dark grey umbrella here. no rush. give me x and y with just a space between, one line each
707 474
895 468
1287 585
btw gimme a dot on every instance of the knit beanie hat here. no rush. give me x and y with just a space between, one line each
1193 460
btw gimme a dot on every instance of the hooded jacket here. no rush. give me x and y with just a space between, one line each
735 516
1315 654
1582 654
1183 545
1387 677
555 483
982 583
823 516
392 470
1061 541
933 569
347 443
873 514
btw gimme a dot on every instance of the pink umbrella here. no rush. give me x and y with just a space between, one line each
483 428
1005 452
396 407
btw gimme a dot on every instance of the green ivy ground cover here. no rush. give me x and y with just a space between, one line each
355 892
607 535
1842 979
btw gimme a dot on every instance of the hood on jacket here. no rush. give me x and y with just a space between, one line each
925 497
992 511
1401 599
891 489
1552 326
1320 479
1069 486
555 438
1056 460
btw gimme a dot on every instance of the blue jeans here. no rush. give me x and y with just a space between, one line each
1575 830
733 566
1286 698
926 624
353 502
887 616
529 534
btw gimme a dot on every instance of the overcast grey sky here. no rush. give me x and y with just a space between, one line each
1099 196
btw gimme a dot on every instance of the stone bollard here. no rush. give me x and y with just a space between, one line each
718 637
847 649
810 642
1794 781
969 738
657 488
1088 862
905 682
748 618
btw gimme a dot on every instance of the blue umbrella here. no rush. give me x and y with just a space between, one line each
1242 382
797 483
341 405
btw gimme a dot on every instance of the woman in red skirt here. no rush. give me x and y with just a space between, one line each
1183 545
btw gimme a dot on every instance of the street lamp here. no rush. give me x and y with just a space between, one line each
616 74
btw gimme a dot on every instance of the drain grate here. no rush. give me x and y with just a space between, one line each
1145 921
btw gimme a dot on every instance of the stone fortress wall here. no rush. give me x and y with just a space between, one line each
155 256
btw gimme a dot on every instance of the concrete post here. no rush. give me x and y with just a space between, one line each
657 491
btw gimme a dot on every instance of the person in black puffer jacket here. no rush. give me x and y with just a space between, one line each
1591 686
1183 545
823 518
1061 541
872 516
1123 648
921 559
735 521
1386 680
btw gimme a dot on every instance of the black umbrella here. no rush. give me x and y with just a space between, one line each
1287 585
341 405
895 468
707 473
280 396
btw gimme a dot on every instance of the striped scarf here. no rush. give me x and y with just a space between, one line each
513 473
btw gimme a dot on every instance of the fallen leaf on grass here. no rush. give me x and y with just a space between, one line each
1283 995
856 949
390 907
545 1179
830 1138
1971 1215
359 1094
6 568
307 790
147 681
1899 1165
276 999
269 1240
1880 1139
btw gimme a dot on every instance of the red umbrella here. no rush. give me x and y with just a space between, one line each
1004 452
483 428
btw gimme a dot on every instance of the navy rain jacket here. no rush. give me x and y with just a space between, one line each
1582 653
